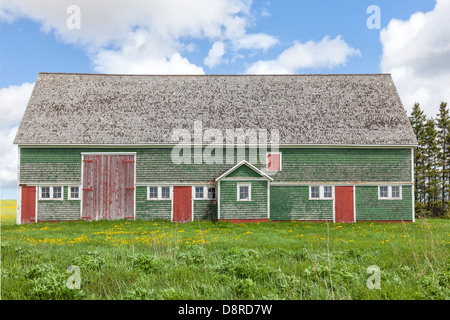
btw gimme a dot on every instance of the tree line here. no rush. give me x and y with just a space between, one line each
431 161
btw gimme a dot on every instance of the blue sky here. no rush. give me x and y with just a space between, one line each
218 37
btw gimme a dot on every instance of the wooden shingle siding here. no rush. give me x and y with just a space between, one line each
292 203
230 208
205 210
368 207
151 209
244 172
55 210
154 165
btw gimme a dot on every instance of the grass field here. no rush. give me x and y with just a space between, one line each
207 260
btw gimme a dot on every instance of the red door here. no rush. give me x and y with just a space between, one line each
344 210
108 187
182 204
28 210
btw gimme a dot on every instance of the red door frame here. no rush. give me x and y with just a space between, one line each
28 204
344 207
182 204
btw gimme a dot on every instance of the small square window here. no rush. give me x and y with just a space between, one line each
315 192
211 193
153 192
74 192
243 192
328 192
45 192
395 192
199 193
165 192
384 193
57 192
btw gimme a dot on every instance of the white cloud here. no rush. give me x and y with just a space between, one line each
13 101
215 54
327 53
140 36
417 54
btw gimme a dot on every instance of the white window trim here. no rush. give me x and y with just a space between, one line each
249 185
51 193
321 192
205 192
69 193
389 197
267 161
159 197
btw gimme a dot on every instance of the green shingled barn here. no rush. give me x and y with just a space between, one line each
328 148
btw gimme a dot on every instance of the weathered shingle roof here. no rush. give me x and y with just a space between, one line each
144 109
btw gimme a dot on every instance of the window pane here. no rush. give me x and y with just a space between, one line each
395 192
199 192
211 193
165 192
327 192
384 192
74 192
57 194
243 193
315 192
45 192
153 192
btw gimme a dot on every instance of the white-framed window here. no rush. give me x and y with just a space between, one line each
159 192
74 193
51 193
199 192
321 192
273 161
211 193
244 192
389 192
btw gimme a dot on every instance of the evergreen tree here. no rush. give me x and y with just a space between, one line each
431 166
443 140
418 121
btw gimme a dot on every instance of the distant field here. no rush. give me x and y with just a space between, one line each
207 260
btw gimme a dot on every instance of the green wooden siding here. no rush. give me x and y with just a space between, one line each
368 207
151 209
205 210
244 172
292 203
55 210
230 208
299 165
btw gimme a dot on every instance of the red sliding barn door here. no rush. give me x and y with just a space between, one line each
182 204
28 209
108 187
344 209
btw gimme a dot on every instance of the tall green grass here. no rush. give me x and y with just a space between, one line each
207 260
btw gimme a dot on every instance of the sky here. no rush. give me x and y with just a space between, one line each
410 39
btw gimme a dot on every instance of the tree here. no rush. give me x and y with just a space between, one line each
431 166
443 141
418 120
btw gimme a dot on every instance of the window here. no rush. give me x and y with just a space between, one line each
321 192
74 193
165 192
315 192
153 192
389 192
199 194
274 161
244 192
51 193
57 193
45 192
211 193
328 192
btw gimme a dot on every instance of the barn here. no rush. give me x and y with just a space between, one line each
239 148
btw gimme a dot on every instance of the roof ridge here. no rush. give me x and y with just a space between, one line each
215 75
